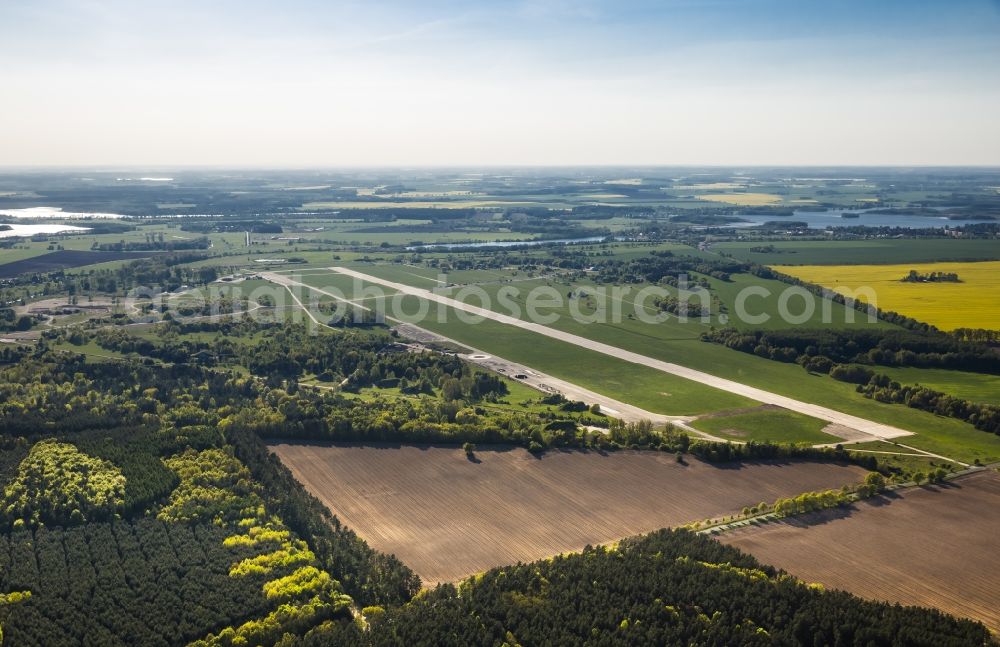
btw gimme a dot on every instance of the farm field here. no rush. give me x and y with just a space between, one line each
971 303
849 252
402 236
61 260
931 546
85 240
448 517
742 199
625 251
11 254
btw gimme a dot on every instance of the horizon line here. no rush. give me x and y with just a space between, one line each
109 168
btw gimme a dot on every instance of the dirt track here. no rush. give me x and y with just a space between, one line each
874 429
448 517
931 546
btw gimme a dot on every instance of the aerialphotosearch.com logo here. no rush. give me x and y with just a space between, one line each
367 302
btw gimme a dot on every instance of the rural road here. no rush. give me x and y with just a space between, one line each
877 431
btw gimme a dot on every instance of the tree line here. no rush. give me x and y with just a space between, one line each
985 417
885 347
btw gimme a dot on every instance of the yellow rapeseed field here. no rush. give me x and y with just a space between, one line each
742 199
973 303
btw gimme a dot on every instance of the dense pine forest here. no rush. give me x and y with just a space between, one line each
666 588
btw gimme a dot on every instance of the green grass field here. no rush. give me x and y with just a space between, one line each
893 455
766 425
976 387
643 387
626 251
21 252
91 350
342 285
860 252
421 277
824 312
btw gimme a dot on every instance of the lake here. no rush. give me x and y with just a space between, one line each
54 213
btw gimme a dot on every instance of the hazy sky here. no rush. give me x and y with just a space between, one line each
304 83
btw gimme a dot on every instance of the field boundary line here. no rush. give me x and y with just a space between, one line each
770 516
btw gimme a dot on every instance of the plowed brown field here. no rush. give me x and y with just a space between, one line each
448 517
930 546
